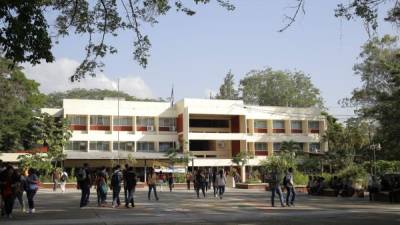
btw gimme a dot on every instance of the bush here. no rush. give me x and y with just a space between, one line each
357 174
254 177
180 178
300 178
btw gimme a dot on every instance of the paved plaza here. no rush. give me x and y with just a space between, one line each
182 207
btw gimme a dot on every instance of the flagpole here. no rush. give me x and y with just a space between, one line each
119 124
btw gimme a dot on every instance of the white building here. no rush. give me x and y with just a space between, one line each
212 131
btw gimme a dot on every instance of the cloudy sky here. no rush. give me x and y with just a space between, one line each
195 53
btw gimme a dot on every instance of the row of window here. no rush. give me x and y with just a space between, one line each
277 146
124 123
280 124
142 146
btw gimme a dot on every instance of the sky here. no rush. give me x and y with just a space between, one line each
193 54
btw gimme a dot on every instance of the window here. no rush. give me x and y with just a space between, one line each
277 146
122 121
100 145
145 146
296 127
76 146
100 120
279 126
124 146
77 120
167 124
262 124
209 123
261 146
313 126
165 146
145 121
314 147
199 145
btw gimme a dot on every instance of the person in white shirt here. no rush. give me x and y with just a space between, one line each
221 182
63 180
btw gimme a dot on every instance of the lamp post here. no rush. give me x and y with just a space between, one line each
375 147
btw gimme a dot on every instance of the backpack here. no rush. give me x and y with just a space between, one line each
81 176
286 180
115 179
63 177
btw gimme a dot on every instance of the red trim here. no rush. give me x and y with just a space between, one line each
77 127
42 149
260 130
261 153
314 131
141 128
235 124
179 123
123 128
235 148
297 131
278 131
99 127
165 129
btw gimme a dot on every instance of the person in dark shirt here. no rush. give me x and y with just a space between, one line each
130 186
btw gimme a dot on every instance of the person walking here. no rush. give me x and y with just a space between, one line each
275 186
19 187
151 182
8 193
124 177
116 183
221 182
199 181
214 182
101 187
289 185
188 178
130 186
207 180
84 181
3 168
32 183
63 180
55 176
170 182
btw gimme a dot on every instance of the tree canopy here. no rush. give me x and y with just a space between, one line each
227 89
55 99
378 97
280 88
20 101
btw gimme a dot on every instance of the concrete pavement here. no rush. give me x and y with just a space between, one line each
183 207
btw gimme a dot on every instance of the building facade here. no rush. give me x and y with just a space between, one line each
211 131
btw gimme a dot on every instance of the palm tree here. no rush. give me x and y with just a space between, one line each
290 147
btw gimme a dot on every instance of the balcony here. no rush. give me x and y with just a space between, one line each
100 127
77 127
122 128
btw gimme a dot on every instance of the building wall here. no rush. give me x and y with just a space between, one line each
241 135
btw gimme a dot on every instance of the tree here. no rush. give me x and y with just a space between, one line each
55 99
26 35
345 141
20 101
378 99
51 132
227 89
280 88
291 147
